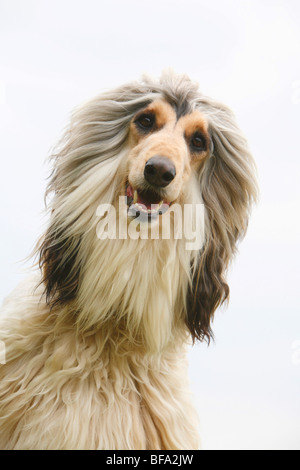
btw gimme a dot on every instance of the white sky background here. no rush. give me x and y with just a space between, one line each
56 54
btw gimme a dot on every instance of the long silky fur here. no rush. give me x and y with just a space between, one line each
95 342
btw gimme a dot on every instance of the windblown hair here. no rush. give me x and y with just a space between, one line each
111 316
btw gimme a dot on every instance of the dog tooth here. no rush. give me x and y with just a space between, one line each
135 196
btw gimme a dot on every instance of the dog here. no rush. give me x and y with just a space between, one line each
96 339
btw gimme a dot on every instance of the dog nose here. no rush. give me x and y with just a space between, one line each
159 171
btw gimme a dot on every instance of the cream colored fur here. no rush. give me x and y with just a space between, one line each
65 390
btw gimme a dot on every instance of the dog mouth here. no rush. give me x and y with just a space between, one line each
145 203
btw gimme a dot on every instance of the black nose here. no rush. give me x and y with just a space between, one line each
159 171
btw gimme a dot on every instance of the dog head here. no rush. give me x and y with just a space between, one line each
151 141
167 146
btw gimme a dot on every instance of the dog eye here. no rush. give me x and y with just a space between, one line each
198 142
145 121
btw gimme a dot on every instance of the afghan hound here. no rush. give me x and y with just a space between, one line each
96 339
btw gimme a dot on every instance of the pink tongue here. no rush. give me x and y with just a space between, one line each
129 191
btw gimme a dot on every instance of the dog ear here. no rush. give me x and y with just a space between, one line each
228 187
58 256
207 291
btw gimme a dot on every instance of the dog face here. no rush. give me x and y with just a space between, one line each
165 149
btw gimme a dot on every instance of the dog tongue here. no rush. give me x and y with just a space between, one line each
129 191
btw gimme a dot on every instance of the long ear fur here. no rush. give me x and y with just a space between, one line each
85 174
59 265
228 187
